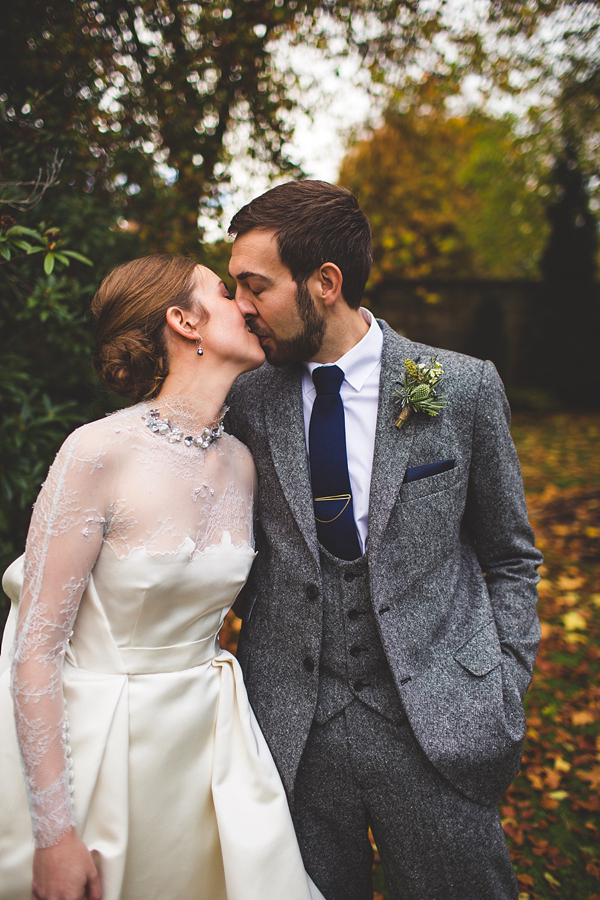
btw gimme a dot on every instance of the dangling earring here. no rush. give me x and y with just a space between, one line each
199 351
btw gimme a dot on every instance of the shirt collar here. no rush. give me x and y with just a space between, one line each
360 361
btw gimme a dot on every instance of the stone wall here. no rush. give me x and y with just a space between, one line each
490 319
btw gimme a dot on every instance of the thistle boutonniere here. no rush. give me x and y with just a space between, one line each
418 389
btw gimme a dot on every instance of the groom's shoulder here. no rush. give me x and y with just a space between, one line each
418 351
463 375
253 391
253 385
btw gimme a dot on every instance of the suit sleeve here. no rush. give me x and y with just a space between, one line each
496 515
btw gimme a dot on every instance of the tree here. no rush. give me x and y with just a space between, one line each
545 55
145 95
567 332
46 384
447 194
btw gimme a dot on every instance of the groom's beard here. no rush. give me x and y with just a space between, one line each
306 343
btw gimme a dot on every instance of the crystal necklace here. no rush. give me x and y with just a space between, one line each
174 435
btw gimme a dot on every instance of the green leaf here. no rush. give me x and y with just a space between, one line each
22 245
78 256
20 229
61 257
49 263
5 251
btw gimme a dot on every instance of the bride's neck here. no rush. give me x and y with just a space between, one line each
193 402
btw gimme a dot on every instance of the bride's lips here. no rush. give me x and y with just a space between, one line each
260 335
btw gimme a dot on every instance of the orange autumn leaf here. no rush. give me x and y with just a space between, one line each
582 717
570 582
593 776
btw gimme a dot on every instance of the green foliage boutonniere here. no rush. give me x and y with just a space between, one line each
418 389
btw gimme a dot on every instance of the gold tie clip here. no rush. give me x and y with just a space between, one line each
346 497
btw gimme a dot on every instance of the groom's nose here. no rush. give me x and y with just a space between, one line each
245 305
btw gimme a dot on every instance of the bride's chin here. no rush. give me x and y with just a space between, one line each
252 362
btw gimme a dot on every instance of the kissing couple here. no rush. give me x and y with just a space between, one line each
360 496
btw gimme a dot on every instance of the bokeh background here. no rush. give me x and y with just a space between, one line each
469 132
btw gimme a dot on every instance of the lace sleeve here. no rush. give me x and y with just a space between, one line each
63 542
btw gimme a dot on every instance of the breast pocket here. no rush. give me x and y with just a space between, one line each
429 484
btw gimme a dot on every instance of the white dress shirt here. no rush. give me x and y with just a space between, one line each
360 395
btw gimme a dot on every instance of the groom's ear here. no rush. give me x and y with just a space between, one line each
328 283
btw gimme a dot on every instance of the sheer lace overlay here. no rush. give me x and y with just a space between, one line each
113 483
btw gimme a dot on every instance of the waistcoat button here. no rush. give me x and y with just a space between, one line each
359 684
354 651
353 614
309 664
312 591
349 576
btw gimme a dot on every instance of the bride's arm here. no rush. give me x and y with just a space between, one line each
63 543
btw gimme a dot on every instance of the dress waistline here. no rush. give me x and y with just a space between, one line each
147 660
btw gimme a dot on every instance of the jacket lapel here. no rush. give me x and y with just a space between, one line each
392 445
284 420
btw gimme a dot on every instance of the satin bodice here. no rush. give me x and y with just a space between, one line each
149 612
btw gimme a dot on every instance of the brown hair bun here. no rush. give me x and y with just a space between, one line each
129 310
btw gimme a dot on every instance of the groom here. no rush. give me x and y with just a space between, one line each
389 625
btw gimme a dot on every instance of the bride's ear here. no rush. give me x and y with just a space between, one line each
180 321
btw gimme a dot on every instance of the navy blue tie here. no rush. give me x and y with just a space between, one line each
332 497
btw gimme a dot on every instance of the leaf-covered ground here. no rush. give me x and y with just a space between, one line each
551 812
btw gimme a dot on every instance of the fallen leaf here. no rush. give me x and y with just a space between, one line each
551 880
574 621
593 776
574 637
570 583
526 879
582 717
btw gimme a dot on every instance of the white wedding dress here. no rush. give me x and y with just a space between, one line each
133 724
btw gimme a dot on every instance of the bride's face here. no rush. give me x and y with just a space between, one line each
225 335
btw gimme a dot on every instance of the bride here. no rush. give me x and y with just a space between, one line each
145 775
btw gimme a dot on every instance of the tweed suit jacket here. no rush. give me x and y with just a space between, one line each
452 569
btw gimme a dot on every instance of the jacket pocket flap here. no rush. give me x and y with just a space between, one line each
481 653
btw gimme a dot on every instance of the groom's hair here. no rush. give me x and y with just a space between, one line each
314 223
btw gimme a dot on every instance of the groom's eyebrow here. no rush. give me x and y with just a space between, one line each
243 276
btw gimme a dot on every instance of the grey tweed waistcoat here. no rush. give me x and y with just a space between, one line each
352 664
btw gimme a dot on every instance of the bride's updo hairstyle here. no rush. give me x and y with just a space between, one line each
129 312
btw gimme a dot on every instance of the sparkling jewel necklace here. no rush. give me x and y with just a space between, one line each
174 435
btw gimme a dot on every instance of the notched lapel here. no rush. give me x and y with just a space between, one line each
392 445
284 421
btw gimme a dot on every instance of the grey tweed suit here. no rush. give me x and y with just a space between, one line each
451 572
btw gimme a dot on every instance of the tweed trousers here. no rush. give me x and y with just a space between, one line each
360 769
